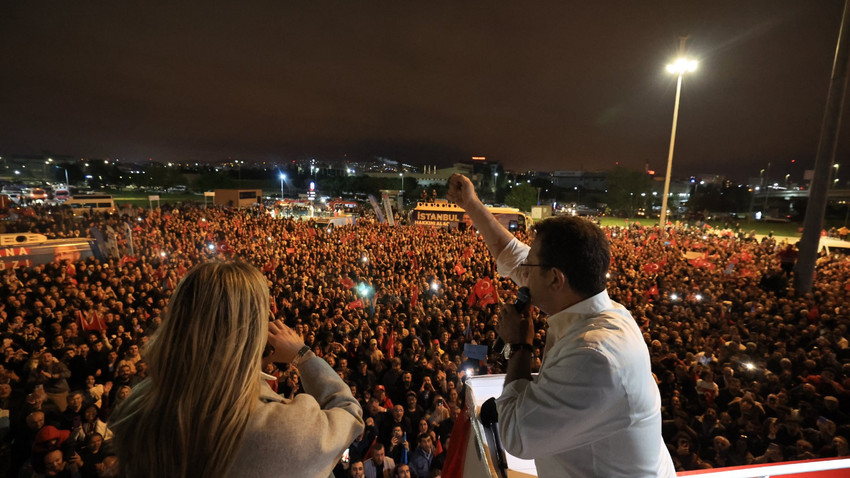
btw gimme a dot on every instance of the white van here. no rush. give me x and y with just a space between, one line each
81 204
61 195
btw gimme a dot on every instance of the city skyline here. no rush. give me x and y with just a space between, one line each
556 87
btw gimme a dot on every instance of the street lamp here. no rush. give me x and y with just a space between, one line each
401 175
679 68
282 179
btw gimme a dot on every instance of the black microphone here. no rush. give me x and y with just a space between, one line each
488 413
489 417
523 296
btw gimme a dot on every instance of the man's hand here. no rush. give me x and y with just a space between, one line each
75 461
285 341
461 191
513 328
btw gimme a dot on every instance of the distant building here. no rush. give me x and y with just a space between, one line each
431 175
588 180
238 198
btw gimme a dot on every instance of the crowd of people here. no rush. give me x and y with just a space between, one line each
749 372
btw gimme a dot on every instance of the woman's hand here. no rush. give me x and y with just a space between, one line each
285 341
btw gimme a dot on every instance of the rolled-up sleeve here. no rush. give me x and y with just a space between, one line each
510 258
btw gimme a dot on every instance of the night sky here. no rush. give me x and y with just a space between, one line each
535 85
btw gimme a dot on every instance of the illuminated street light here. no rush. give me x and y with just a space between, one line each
679 68
682 66
282 179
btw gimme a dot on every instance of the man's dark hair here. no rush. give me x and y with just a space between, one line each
378 446
578 248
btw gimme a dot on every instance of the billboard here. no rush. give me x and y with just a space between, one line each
57 250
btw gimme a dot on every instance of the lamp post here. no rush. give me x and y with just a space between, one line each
282 179
401 175
679 68
766 190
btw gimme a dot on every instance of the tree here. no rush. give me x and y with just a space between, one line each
625 187
711 197
522 197
210 180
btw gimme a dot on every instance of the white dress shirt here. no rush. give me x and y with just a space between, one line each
594 409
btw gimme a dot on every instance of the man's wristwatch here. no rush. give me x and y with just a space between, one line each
510 349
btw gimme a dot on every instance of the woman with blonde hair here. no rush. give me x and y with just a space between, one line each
205 408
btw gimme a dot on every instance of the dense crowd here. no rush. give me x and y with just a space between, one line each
748 371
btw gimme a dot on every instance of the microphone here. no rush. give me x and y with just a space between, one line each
489 417
523 297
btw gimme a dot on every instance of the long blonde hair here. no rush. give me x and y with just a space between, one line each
189 416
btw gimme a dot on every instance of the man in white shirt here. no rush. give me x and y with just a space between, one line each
380 465
594 409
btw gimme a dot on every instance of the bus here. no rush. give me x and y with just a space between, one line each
80 204
446 214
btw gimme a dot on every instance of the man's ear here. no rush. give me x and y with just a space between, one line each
558 281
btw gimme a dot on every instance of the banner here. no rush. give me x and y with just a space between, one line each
376 208
388 209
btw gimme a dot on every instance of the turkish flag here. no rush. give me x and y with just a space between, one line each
346 282
91 320
125 259
357 304
459 269
484 293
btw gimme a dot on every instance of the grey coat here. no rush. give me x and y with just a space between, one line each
302 437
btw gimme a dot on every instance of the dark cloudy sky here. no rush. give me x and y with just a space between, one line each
536 85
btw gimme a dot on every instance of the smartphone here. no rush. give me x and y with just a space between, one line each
346 455
523 296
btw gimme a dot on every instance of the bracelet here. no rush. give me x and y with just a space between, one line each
299 357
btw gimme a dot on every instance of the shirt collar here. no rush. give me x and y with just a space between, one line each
266 392
592 306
